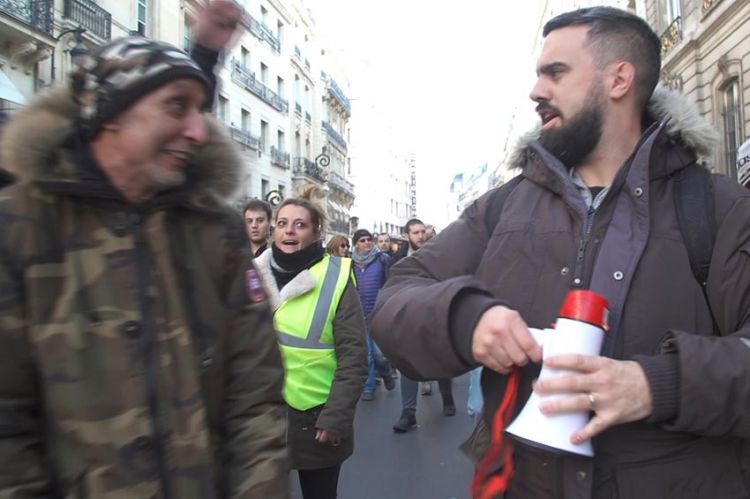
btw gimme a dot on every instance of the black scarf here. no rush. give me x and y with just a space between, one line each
286 266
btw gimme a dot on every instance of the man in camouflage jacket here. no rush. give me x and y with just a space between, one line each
133 360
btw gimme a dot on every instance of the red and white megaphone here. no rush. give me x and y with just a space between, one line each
579 329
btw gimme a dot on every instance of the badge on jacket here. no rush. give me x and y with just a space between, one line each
254 286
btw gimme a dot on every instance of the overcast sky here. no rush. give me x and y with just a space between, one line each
449 73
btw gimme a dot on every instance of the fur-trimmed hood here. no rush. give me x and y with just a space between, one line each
32 148
684 125
301 284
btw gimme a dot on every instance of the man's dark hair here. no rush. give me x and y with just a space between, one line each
617 35
258 205
411 223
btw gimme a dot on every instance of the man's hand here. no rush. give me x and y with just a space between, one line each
502 340
616 390
217 23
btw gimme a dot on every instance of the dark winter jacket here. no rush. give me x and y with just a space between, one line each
635 256
370 279
132 361
337 414
5 178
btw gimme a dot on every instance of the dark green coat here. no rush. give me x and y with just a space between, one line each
132 361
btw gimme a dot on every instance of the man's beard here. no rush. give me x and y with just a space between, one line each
572 143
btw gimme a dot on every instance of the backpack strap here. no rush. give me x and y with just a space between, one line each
496 203
695 205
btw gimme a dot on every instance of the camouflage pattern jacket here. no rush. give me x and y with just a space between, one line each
132 362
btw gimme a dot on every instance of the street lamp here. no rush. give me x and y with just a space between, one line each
77 53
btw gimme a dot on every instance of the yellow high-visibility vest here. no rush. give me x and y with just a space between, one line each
304 329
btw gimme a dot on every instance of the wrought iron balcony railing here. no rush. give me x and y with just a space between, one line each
35 13
335 137
245 138
671 36
339 227
337 181
304 166
279 157
261 31
338 94
91 16
707 4
243 76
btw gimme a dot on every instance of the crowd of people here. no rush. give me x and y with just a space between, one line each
154 345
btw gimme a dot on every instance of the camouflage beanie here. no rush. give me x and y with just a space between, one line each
122 72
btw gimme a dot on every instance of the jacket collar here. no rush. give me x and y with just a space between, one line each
301 284
37 146
681 128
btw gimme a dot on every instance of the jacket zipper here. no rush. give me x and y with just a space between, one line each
148 340
580 255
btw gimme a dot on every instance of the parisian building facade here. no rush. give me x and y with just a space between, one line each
282 96
705 48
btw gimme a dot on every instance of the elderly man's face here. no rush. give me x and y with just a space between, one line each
156 137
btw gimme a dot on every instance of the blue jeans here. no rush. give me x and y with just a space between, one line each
375 362
476 400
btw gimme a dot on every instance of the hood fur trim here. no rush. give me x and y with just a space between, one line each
301 284
685 125
32 140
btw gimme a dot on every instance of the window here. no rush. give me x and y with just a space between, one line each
223 109
307 98
668 11
187 34
282 191
245 57
297 145
297 92
280 141
280 86
263 74
245 123
263 135
140 17
264 15
280 32
324 109
265 187
732 120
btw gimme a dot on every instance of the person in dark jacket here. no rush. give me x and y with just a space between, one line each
370 270
595 209
320 329
135 363
415 231
257 214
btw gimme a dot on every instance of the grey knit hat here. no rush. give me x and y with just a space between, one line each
122 72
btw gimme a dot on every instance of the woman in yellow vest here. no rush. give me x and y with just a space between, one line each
320 329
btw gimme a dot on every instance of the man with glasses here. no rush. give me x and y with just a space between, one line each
370 269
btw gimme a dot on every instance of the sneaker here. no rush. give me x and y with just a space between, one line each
405 423
390 384
427 388
367 396
449 410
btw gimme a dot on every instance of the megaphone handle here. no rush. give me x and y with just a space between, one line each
485 485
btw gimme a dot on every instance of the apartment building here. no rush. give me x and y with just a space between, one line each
705 48
282 96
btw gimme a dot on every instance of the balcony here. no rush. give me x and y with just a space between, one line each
245 138
279 158
671 36
89 15
342 184
35 13
339 96
335 137
303 166
261 31
246 78
339 227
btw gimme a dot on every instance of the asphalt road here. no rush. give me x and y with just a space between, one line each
424 463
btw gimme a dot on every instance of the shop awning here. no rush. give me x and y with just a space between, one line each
8 90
